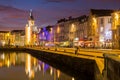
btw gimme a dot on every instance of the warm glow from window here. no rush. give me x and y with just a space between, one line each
101 39
51 30
115 36
8 63
58 29
34 36
73 28
28 32
101 29
94 20
116 16
8 34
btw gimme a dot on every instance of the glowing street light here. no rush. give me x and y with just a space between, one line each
116 16
58 29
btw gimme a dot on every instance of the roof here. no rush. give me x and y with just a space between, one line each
82 19
22 32
17 30
101 12
4 31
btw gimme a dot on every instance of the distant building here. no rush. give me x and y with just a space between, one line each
72 29
18 37
46 35
31 31
4 38
100 27
116 29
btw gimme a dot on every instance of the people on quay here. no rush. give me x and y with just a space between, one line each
76 50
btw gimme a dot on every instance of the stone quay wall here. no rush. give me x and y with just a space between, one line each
112 66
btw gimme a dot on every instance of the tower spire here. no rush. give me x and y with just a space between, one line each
30 12
31 16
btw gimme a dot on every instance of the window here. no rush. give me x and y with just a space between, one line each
101 29
109 20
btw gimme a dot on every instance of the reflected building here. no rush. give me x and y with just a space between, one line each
11 59
30 66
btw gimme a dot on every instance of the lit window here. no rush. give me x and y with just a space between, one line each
101 29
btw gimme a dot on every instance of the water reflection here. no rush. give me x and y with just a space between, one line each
34 69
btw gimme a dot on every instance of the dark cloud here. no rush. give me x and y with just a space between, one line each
12 17
60 0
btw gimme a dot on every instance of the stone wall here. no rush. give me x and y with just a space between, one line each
112 67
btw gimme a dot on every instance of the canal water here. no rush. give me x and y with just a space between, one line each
23 66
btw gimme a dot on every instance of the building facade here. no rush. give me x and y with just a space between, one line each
4 38
46 35
72 30
18 37
100 23
116 29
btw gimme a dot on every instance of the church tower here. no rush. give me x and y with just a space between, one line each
29 30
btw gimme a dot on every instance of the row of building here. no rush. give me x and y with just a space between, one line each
99 29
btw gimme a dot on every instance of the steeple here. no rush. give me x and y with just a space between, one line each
31 16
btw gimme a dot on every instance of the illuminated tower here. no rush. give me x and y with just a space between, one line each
29 30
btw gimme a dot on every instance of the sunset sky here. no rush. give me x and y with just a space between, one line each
14 13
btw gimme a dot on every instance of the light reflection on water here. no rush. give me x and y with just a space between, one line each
23 66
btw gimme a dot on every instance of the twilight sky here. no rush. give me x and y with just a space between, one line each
14 13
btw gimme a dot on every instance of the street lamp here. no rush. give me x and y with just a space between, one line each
116 16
